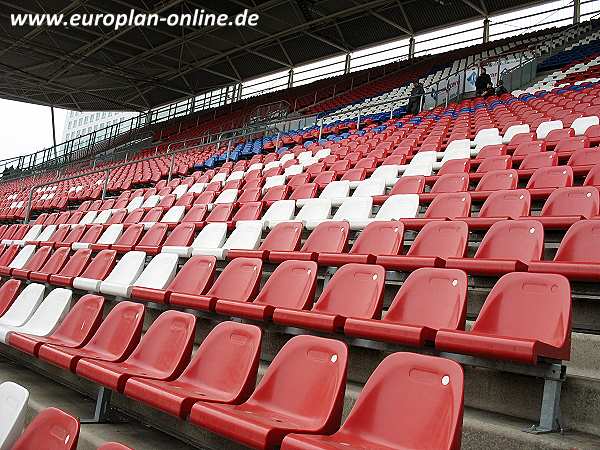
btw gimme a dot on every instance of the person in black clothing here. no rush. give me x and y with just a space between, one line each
500 89
416 97
481 82
489 91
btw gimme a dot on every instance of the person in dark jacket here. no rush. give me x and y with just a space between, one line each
416 97
489 91
481 82
500 89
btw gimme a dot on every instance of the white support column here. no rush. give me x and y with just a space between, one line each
576 11
290 82
486 30
411 47
347 64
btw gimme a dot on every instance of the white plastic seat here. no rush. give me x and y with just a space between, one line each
546 127
135 203
315 210
290 171
110 236
286 157
425 169
513 130
305 156
180 190
486 140
31 235
151 201
159 272
88 218
353 209
13 410
388 173
246 236
255 166
401 206
103 217
197 188
211 236
486 136
227 196
581 124
454 153
220 177
458 144
279 211
275 180
23 306
335 189
271 165
22 257
234 176
41 237
323 153
127 270
46 317
174 214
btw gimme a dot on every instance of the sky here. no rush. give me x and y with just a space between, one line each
25 128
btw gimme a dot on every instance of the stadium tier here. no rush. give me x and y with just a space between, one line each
378 280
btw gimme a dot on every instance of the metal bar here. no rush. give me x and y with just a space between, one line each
53 127
105 184
101 408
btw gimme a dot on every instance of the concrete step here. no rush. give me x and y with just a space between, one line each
481 429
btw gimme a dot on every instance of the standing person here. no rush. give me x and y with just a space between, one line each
416 97
481 82
500 89
489 91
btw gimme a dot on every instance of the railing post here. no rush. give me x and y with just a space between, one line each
171 168
28 209
228 149
358 119
277 141
321 129
105 184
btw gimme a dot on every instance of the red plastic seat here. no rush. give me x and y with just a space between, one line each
584 158
490 151
8 293
447 206
223 370
196 275
525 317
327 237
301 392
195 215
402 398
114 340
102 264
497 180
437 241
578 256
378 238
72 268
74 331
58 236
9 254
182 235
430 299
90 236
355 290
276 193
501 205
452 182
565 206
536 161
507 247
555 136
238 282
324 178
248 211
163 352
308 190
528 148
153 238
291 285
221 213
284 237
250 195
53 265
572 144
593 176
546 179
51 429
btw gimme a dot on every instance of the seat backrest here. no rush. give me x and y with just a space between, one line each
131 235
551 177
23 257
153 215
409 185
529 148
370 187
174 214
572 201
211 236
221 213
581 124
120 331
227 196
76 263
451 182
545 128
159 272
315 209
291 285
431 388
24 305
181 235
521 240
379 238
195 276
528 306
512 204
13 410
49 313
581 243
227 361
400 206
497 180
306 380
195 214
246 235
355 290
167 344
283 237
38 259
8 294
111 234
431 297
494 163
336 189
328 237
92 234
51 429
450 206
9 254
155 236
55 262
128 269
249 211
101 265
82 321
537 160
46 233
239 281
442 239
354 208
584 157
